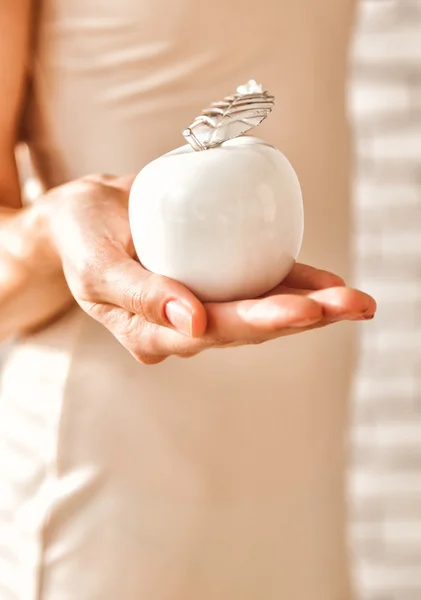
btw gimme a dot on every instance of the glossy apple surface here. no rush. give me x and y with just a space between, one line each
226 222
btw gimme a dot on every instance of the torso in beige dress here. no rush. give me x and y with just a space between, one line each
215 478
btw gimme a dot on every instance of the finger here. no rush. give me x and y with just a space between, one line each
247 322
261 319
323 323
157 299
320 325
344 303
339 302
309 278
236 323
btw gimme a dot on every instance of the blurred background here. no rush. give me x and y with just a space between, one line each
385 437
385 474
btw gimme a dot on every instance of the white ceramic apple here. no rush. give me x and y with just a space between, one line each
226 222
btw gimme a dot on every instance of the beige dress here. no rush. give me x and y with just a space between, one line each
215 478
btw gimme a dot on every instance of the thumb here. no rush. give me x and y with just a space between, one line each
157 299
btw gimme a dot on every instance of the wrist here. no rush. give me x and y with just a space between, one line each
43 220
26 238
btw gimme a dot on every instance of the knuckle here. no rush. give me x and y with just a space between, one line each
134 301
86 187
159 281
82 186
95 178
149 300
105 177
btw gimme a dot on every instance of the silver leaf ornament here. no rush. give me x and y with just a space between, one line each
231 117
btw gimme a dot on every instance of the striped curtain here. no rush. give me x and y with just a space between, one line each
385 479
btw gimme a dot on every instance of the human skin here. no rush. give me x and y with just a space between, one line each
75 245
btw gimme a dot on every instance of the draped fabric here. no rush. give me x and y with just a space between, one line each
219 477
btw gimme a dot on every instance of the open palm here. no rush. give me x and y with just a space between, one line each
154 317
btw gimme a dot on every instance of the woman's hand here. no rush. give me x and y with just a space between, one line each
154 317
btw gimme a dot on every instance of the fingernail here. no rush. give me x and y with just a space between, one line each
364 318
180 316
352 317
